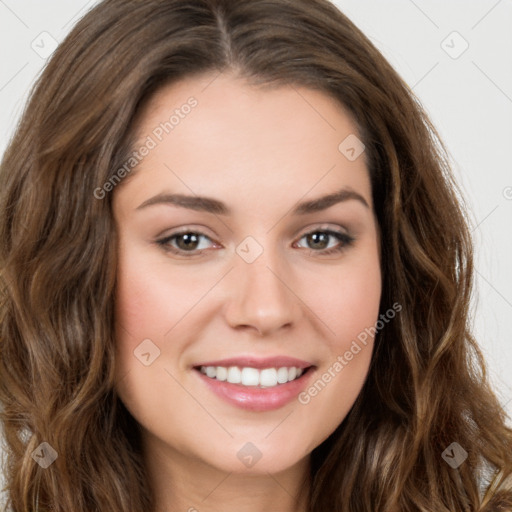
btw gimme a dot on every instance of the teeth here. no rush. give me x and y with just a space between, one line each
250 377
282 375
222 373
266 378
234 375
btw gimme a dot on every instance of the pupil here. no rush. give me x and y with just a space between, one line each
321 238
188 240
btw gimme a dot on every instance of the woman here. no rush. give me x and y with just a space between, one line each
236 275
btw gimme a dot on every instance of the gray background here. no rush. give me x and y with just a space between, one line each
466 91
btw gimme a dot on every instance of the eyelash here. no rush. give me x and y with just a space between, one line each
345 239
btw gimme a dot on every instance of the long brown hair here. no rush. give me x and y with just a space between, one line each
427 386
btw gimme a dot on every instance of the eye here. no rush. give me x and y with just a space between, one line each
184 242
319 241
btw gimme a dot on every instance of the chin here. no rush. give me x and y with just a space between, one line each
257 458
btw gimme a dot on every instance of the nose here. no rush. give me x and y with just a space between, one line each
261 297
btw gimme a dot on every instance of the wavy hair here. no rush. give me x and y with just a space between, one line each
427 386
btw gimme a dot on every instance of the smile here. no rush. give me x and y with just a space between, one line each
264 388
246 376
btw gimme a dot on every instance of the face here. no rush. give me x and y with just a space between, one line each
259 275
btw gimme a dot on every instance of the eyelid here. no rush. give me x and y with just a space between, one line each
189 228
325 226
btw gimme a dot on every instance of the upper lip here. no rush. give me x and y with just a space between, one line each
258 362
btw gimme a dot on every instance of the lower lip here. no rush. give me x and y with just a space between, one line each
256 398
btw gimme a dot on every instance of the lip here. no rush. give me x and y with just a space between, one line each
256 399
258 362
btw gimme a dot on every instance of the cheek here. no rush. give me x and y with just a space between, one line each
140 303
151 300
145 309
359 307
142 313
348 301
351 312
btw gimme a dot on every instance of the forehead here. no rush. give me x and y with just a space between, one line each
234 103
217 135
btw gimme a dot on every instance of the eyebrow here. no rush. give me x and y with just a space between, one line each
210 205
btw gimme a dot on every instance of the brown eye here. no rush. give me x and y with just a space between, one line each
187 241
318 241
184 242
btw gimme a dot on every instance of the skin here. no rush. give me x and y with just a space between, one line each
260 151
